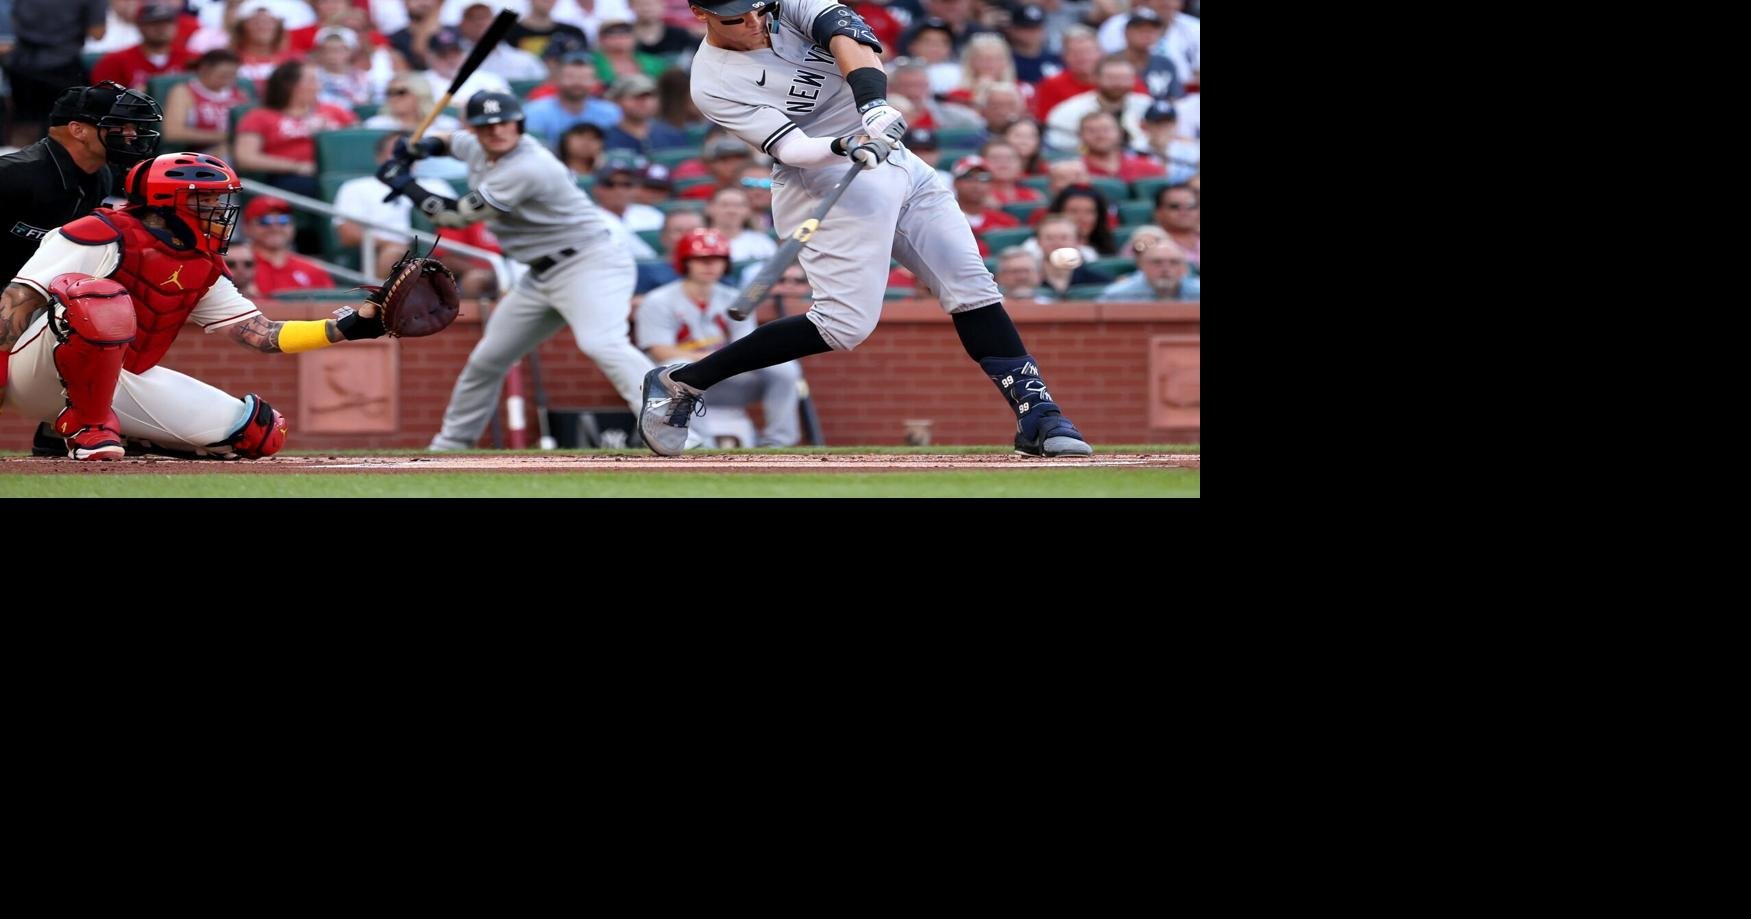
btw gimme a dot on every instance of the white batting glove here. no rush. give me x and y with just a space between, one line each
886 122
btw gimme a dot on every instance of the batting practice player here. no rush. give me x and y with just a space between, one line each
802 80
119 285
578 275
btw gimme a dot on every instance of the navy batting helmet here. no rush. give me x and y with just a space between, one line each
722 8
492 108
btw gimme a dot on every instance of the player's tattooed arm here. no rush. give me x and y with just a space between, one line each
18 305
263 334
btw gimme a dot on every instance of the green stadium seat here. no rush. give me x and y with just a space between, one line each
685 184
961 137
899 293
365 111
696 133
1084 292
1037 183
1136 213
586 182
90 59
999 240
951 156
348 150
679 204
1053 156
1114 190
652 238
1145 189
1114 267
159 86
522 88
674 156
318 293
1022 210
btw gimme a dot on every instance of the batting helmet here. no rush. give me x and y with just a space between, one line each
492 108
198 188
700 243
732 7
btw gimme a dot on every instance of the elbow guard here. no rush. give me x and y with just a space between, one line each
842 20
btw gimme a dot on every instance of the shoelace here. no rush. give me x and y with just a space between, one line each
684 406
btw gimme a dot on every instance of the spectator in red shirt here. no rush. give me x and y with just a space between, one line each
279 139
340 14
268 221
973 194
1081 57
1104 153
1005 166
157 53
259 39
197 113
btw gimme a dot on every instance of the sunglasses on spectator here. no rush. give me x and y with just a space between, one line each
1173 206
617 183
756 183
235 265
787 279
274 219
398 91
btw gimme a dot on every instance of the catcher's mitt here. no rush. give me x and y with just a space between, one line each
418 298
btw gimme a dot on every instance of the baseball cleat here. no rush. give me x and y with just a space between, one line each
669 406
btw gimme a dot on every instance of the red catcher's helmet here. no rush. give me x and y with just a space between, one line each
700 243
198 188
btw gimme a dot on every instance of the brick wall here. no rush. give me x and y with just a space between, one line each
1095 357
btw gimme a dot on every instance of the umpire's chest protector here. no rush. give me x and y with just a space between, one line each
164 283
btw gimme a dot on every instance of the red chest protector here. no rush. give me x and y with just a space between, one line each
165 283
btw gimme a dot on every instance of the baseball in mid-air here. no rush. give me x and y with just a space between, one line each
1067 257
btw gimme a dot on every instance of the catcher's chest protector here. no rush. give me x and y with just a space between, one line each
165 283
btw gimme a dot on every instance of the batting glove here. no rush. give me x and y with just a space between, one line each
864 149
886 122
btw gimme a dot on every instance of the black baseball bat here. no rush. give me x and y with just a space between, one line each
494 34
787 253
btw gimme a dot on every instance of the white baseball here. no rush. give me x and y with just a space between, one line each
1066 257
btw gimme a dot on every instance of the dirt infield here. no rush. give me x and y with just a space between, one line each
549 462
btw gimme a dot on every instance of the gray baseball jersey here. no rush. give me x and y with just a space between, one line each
897 209
544 210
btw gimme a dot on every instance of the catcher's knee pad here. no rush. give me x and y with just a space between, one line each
262 433
92 330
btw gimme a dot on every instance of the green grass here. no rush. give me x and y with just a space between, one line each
960 483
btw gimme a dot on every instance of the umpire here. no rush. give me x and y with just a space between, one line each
95 134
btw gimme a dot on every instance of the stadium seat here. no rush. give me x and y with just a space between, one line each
674 156
1022 210
1114 190
522 88
1145 189
1115 267
969 138
652 238
1136 213
999 240
351 150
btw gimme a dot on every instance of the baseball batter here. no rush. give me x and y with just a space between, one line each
578 275
803 81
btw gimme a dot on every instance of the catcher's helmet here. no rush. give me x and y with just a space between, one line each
700 243
197 188
732 7
492 108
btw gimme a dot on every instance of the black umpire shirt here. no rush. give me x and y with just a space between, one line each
41 188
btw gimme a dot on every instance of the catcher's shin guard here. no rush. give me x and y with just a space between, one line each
262 433
92 331
1040 426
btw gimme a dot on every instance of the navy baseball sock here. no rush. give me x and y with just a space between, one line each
988 332
773 343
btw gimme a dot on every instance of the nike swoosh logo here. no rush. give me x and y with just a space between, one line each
762 80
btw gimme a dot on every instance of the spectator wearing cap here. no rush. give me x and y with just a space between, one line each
1163 142
197 113
932 43
617 54
413 40
157 52
728 213
505 59
638 130
341 82
924 145
61 177
1104 153
757 182
46 59
1114 93
725 158
1034 61
536 28
955 18
336 14
1142 33
973 194
445 54
1005 166
559 47
613 190
279 138
654 36
1162 274
573 102
1177 210
259 39
581 149
1180 43
655 186
268 222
